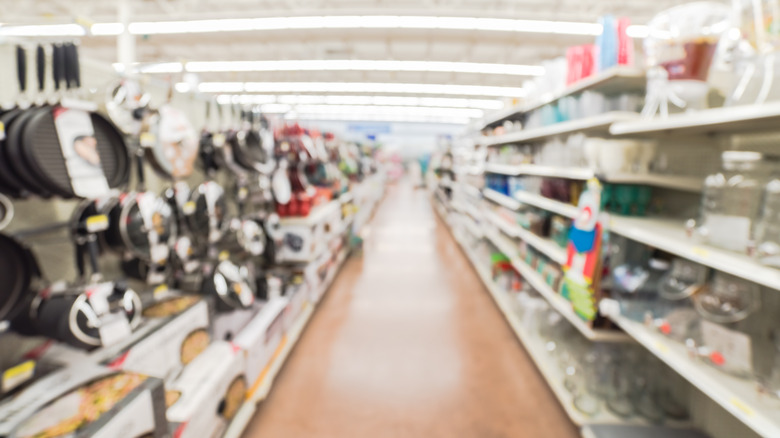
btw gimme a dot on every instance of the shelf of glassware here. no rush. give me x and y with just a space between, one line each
536 350
685 183
595 125
545 246
247 410
670 236
615 80
740 397
559 303
725 120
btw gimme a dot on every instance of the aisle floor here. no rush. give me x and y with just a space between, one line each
407 343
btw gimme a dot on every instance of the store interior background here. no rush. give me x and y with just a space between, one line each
437 80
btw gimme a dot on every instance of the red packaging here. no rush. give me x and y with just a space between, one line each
625 43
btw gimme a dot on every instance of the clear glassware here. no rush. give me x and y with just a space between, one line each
728 300
768 226
682 280
732 200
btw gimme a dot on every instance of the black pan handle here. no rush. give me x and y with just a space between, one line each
139 164
21 68
58 70
76 67
94 253
80 267
40 64
67 59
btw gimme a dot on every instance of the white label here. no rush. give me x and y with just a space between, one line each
155 277
729 232
734 346
114 328
79 149
98 298
159 253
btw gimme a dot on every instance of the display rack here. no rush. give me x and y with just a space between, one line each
728 120
690 184
594 125
535 347
619 79
738 396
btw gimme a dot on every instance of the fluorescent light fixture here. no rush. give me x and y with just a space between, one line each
365 22
637 31
363 117
296 99
72 30
320 22
161 67
390 110
366 65
358 87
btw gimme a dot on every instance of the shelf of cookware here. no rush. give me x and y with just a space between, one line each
594 125
725 120
545 246
740 397
686 183
615 80
317 215
539 355
560 304
268 376
667 235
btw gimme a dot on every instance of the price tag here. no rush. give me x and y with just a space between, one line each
739 404
701 252
243 193
97 223
98 298
159 290
189 208
223 255
733 346
148 139
17 375
77 104
2 131
114 329
155 277
661 348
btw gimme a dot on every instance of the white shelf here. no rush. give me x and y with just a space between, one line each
471 190
592 125
738 396
729 120
552 205
346 197
539 355
670 236
558 302
545 246
686 183
619 79
501 199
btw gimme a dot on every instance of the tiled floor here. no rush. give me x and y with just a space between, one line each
407 343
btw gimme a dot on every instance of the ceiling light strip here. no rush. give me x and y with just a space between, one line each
355 87
320 22
295 99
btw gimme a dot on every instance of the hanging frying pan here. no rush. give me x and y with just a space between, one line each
9 183
171 143
73 152
233 285
17 269
280 183
125 103
206 212
247 145
90 317
245 236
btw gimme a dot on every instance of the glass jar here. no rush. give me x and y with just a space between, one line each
759 23
673 314
731 201
768 226
727 337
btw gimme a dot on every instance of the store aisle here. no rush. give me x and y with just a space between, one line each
408 344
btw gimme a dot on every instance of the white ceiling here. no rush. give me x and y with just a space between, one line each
476 46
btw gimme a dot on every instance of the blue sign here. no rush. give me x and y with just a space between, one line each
370 128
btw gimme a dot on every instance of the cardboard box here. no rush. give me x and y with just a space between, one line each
260 340
208 393
165 351
65 399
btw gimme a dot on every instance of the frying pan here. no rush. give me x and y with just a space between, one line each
247 145
9 183
206 215
233 285
17 269
174 149
36 140
76 317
